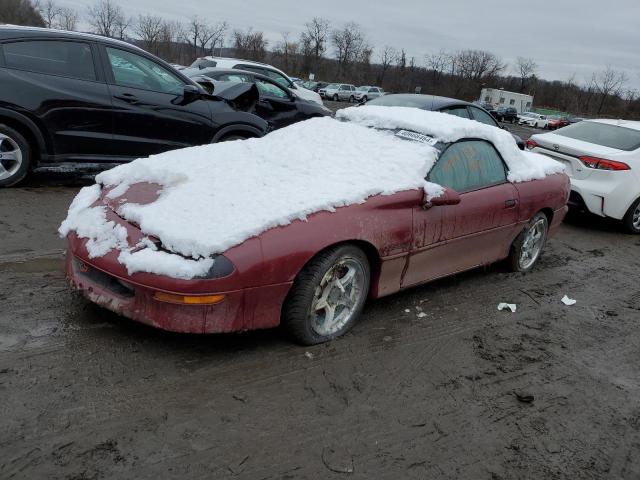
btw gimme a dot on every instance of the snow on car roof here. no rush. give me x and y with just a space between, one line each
217 196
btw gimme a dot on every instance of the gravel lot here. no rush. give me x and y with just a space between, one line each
465 392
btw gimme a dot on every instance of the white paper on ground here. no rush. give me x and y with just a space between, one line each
568 301
510 306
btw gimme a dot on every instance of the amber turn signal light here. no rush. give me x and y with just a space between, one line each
188 299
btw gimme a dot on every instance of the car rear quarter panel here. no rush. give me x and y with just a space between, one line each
549 194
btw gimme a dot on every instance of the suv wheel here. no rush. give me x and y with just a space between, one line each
15 156
352 99
335 97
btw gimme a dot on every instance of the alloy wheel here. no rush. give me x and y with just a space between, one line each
635 221
10 157
338 295
532 245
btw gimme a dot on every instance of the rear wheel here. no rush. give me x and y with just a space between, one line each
527 248
327 296
335 97
15 156
631 220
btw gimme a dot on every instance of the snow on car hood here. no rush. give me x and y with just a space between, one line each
217 196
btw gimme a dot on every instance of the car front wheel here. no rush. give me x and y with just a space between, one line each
335 97
15 156
527 248
327 296
632 218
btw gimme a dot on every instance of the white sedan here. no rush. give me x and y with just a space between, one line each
603 160
533 120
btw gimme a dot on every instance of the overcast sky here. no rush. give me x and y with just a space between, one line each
565 37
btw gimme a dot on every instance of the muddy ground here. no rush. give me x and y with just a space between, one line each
463 392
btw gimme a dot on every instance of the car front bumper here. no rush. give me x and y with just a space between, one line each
241 309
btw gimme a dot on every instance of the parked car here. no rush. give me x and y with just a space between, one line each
603 160
300 228
557 121
365 93
276 104
339 92
506 114
74 97
314 86
532 119
452 106
261 68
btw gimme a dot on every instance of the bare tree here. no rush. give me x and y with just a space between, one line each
526 68
107 19
438 63
50 12
349 43
607 83
249 44
149 29
67 19
386 58
314 40
211 35
287 52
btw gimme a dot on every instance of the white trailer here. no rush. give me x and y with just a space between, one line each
502 98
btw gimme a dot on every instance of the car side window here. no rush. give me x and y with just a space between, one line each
268 89
63 58
278 77
235 77
131 70
469 165
483 117
457 111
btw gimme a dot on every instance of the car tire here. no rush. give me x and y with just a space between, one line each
364 99
352 99
318 286
335 97
631 220
15 156
528 246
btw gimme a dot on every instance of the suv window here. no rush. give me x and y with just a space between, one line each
204 63
234 77
344 87
67 59
483 117
469 165
269 89
131 70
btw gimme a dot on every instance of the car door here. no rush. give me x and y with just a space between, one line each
276 105
151 114
477 231
60 83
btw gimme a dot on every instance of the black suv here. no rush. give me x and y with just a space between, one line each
506 114
72 97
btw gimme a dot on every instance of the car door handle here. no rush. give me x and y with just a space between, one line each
127 97
510 203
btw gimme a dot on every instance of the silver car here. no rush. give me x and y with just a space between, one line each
339 92
366 93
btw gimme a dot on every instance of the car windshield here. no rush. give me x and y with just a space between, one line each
603 134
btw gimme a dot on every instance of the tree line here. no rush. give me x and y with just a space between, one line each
339 54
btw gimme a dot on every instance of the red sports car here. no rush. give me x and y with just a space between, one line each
301 227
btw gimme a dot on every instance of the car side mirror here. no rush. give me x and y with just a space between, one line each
191 93
207 84
448 197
